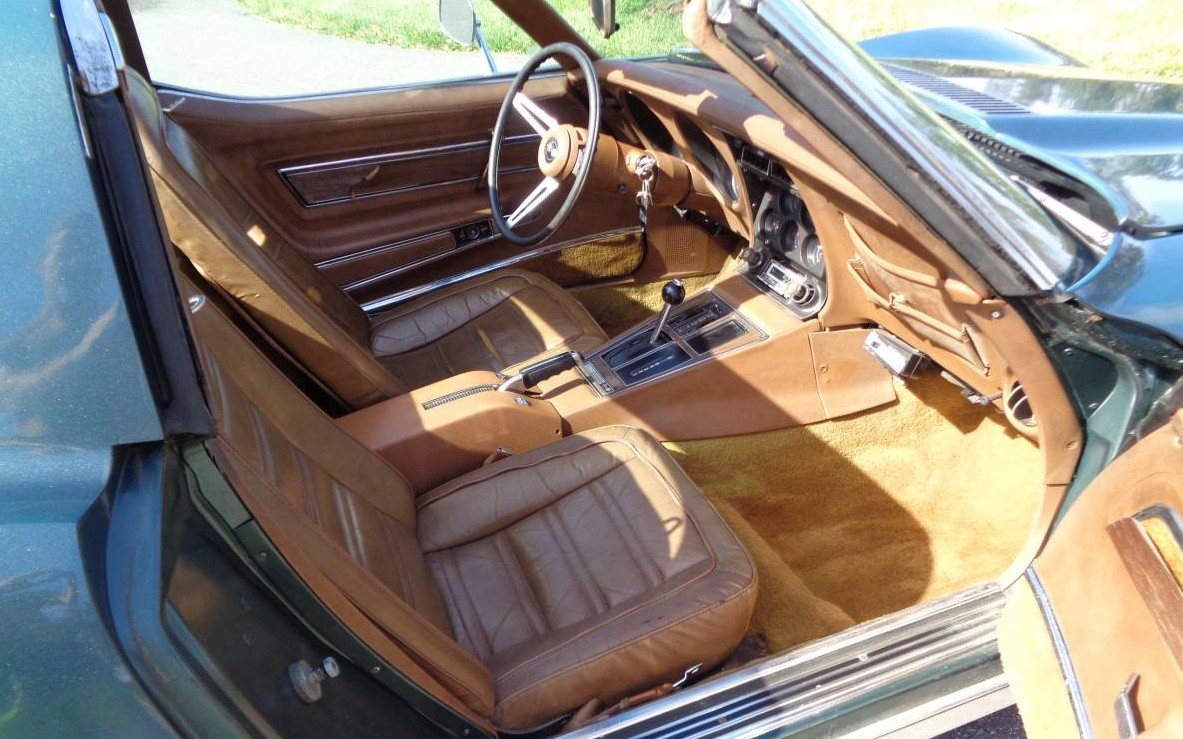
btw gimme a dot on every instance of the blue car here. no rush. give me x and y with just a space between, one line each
777 386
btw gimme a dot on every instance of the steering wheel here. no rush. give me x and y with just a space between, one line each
564 151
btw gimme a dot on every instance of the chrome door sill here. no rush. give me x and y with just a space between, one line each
820 687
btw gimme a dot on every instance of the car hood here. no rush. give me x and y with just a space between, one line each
1121 137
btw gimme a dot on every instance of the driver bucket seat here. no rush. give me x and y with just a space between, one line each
591 568
492 322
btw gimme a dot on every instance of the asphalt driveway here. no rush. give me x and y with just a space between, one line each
216 45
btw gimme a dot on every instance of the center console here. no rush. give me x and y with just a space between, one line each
697 330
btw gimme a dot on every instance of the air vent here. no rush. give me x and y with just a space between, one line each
1018 410
979 101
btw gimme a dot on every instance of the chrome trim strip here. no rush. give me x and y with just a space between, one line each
947 712
1067 669
752 335
503 79
290 174
371 251
825 678
476 179
414 292
400 156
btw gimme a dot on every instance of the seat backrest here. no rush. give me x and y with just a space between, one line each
234 248
341 516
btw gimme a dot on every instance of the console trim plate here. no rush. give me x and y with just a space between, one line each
605 380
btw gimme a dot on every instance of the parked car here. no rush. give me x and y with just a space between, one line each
779 387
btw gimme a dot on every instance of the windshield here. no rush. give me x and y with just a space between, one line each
644 27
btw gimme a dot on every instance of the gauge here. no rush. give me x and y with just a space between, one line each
788 204
789 238
812 255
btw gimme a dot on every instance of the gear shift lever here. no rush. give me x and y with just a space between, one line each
672 293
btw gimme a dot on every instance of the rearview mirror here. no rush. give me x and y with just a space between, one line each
604 15
458 21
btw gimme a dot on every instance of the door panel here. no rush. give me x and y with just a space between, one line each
373 187
1107 592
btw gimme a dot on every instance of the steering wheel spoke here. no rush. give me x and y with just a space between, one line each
537 197
539 119
556 143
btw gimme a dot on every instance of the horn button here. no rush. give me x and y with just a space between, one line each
558 151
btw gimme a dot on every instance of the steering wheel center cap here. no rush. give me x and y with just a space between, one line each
556 152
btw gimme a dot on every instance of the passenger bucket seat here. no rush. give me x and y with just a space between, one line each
492 322
589 568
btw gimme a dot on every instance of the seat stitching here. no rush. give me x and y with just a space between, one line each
580 557
546 514
306 489
471 603
453 604
365 574
266 460
417 654
510 559
629 643
633 546
509 464
712 558
533 511
563 306
407 584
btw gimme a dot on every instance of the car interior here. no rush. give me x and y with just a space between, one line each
730 395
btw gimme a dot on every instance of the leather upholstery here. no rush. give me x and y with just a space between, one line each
589 568
515 316
486 323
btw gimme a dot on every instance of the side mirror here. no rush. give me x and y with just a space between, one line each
604 15
458 21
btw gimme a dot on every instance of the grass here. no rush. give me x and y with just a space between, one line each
1140 38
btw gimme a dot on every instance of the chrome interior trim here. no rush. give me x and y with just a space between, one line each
1067 669
290 174
607 375
942 713
414 292
503 79
373 250
820 681
401 156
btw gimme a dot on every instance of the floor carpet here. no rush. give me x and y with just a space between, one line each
862 516
620 307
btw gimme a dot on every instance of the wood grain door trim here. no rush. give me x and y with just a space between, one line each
1152 578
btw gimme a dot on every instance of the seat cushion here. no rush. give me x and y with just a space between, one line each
590 568
487 323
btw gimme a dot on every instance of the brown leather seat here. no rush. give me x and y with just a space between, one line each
492 322
590 568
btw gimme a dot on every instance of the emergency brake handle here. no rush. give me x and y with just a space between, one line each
532 374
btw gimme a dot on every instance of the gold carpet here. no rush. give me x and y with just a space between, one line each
620 307
862 516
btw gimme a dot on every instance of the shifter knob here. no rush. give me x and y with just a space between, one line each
673 293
